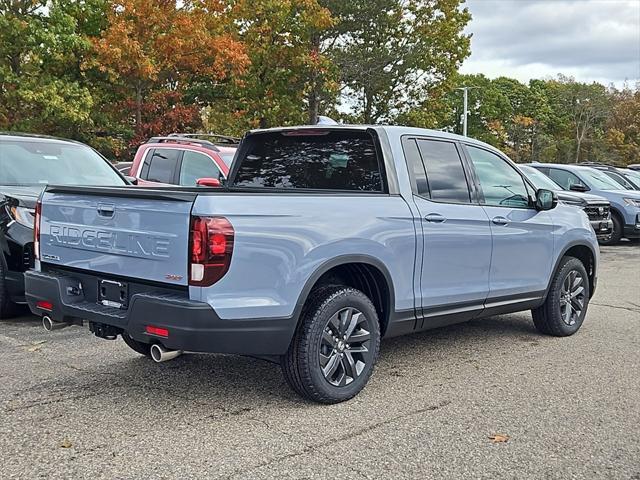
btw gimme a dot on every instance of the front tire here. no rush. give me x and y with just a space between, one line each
335 347
566 305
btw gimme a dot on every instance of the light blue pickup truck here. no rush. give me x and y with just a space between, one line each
323 241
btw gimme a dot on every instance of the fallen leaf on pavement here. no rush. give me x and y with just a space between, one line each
499 438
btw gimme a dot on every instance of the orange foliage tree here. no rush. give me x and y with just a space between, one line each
152 50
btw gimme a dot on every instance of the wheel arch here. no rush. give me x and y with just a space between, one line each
363 272
583 252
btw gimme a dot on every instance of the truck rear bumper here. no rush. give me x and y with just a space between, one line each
192 326
15 286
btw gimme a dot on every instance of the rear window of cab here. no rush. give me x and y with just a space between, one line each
318 160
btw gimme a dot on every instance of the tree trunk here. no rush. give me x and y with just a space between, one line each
314 94
313 105
139 108
367 107
579 138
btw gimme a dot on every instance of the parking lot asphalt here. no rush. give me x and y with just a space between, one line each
74 406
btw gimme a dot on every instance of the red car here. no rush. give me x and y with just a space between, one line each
184 159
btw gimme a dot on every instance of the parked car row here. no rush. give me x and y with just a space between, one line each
315 243
624 203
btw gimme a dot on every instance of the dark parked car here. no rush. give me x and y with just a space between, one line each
28 163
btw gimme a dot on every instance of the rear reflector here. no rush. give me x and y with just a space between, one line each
44 305
160 332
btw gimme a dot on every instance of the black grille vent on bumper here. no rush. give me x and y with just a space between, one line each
597 212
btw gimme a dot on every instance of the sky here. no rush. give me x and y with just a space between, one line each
591 40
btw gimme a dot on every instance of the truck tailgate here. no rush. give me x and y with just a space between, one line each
119 231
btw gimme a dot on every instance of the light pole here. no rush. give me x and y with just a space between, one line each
465 112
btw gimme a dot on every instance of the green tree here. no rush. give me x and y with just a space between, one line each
42 85
392 54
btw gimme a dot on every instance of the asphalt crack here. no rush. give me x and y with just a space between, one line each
349 436
630 309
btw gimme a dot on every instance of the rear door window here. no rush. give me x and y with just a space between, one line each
445 173
197 165
320 160
160 165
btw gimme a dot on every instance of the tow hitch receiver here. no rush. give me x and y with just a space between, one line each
107 332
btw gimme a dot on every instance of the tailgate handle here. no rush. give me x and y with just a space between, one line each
106 210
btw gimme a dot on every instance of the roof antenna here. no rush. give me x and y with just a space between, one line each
323 120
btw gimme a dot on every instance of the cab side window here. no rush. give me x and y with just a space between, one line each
445 174
197 165
500 183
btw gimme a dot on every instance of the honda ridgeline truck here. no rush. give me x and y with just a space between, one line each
323 241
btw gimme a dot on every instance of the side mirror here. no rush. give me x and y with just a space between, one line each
577 187
208 182
546 200
131 180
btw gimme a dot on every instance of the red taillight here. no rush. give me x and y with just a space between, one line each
211 246
36 230
44 305
160 332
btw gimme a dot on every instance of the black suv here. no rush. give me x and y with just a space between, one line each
27 164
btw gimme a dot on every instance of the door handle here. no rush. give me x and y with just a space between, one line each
434 218
106 210
500 221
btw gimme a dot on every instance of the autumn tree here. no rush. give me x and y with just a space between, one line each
280 38
152 50
623 126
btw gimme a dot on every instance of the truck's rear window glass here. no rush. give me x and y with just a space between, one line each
330 160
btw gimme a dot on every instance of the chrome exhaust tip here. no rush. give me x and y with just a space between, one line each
160 354
50 325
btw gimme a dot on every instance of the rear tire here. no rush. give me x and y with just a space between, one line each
139 347
7 307
616 233
565 308
335 347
